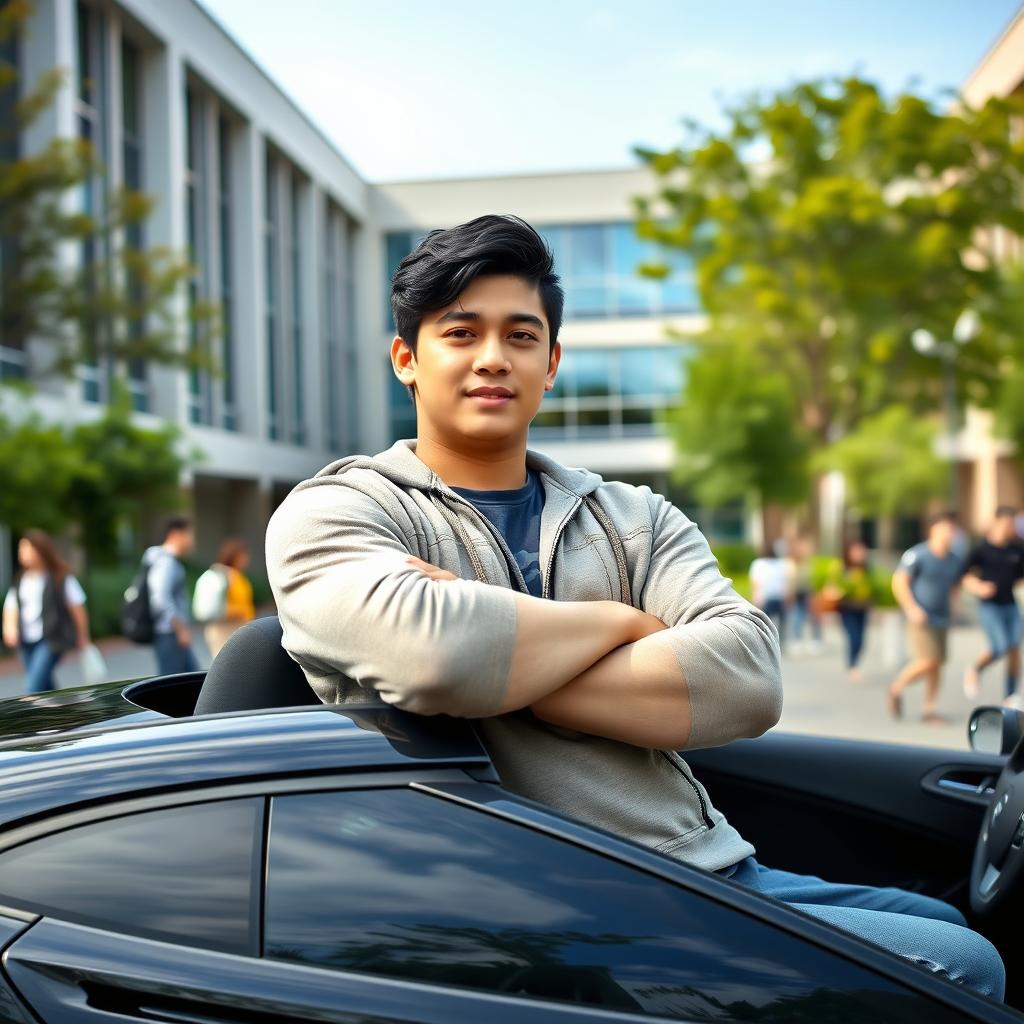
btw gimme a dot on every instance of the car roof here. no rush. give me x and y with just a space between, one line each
91 753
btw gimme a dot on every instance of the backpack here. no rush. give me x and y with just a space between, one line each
136 617
210 598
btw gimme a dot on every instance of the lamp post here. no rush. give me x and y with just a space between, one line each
965 329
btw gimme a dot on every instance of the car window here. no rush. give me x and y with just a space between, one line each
401 884
184 874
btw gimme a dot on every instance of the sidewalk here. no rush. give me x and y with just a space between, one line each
818 697
124 659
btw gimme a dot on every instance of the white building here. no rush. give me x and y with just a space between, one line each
299 251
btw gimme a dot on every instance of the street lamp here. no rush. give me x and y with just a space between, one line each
966 328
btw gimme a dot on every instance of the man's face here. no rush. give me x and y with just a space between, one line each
482 364
1005 529
942 534
183 541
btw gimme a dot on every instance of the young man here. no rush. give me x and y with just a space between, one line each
994 567
584 624
168 602
927 577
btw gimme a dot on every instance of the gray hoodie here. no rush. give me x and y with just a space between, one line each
362 622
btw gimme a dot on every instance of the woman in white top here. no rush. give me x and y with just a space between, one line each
44 612
772 579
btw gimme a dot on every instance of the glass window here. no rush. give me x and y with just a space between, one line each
399 884
298 411
588 255
226 248
397 245
183 874
668 375
638 369
588 372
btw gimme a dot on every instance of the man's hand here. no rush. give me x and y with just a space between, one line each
979 587
183 635
439 575
917 615
560 638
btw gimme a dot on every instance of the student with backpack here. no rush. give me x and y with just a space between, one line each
44 611
156 604
222 600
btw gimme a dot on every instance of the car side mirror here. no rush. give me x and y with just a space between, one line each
994 730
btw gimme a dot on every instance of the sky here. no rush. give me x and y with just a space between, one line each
417 89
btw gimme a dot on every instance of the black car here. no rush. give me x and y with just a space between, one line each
358 864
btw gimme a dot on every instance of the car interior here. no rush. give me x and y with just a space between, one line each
852 811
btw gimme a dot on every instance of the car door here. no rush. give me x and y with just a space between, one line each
468 893
859 811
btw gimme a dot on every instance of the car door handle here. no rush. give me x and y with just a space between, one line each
972 784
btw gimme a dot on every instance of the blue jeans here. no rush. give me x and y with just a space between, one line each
39 662
775 609
855 622
171 657
1002 626
918 928
802 613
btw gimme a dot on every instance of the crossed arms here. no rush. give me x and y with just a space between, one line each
586 665
699 666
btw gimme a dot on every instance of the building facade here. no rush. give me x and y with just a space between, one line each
298 252
272 216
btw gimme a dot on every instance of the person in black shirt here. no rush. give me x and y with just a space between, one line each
994 566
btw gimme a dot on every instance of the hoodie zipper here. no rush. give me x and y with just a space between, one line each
546 586
693 785
514 572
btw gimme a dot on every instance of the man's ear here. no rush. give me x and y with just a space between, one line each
403 362
553 361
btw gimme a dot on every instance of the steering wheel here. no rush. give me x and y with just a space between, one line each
999 854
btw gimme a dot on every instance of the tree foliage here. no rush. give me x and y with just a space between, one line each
738 431
100 476
889 463
115 299
827 222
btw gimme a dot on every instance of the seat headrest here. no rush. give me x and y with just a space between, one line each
252 672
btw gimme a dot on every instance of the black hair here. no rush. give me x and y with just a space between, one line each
175 523
946 516
1006 512
448 261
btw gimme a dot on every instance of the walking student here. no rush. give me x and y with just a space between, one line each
168 602
928 576
804 610
233 598
583 624
772 581
44 613
849 585
994 566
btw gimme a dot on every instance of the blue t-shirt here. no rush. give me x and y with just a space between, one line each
516 516
932 579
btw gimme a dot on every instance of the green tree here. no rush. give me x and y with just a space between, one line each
102 476
126 475
114 302
737 430
827 222
890 466
37 465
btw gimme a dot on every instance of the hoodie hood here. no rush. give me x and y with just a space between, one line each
400 465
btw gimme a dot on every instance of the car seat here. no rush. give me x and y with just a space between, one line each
253 671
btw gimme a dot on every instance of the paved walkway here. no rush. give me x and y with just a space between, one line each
818 696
